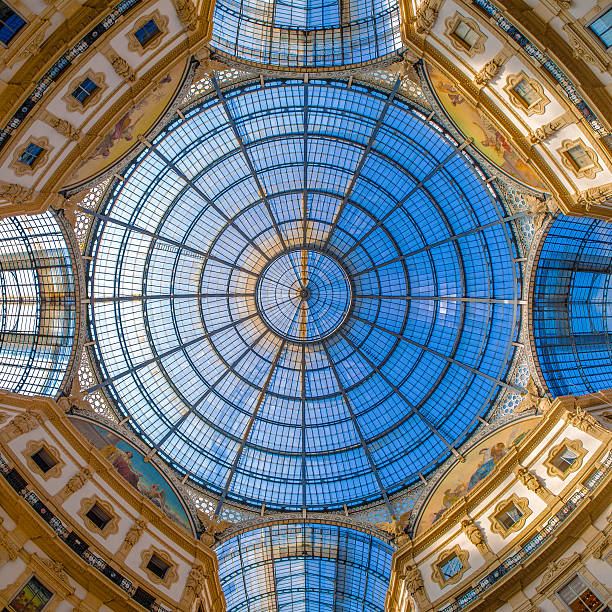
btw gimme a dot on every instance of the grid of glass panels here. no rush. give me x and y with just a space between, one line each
572 306
354 174
307 33
304 567
38 305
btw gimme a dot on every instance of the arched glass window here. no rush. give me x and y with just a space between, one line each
291 34
37 304
304 566
572 306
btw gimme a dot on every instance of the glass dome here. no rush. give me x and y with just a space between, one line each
307 34
37 299
305 567
303 295
572 306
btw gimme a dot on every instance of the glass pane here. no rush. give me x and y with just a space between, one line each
32 598
451 567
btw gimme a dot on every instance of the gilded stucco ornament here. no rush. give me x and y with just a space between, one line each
131 537
548 129
74 399
476 537
212 527
61 126
533 398
120 66
187 13
207 64
15 194
595 196
426 16
74 484
415 587
21 424
532 483
196 583
490 70
397 528
582 420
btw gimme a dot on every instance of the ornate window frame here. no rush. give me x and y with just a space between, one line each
522 503
573 445
87 503
19 167
72 104
587 171
34 446
172 573
443 557
537 108
161 21
450 25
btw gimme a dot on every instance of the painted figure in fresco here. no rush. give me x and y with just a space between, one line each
156 495
490 458
122 462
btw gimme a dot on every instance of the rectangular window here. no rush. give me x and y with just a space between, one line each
466 35
564 459
578 157
10 23
527 95
43 460
98 517
158 566
509 516
579 597
147 32
84 90
602 28
450 567
30 154
32 598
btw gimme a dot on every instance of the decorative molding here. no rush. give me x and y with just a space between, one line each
187 13
583 49
443 557
522 503
450 25
548 129
61 126
21 424
413 584
492 67
582 420
33 446
555 570
15 194
75 483
87 503
595 196
586 172
171 574
131 537
532 483
120 66
196 583
161 21
573 445
536 108
427 15
476 537
72 104
19 168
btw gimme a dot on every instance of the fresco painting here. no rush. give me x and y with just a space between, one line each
473 123
480 461
130 464
138 119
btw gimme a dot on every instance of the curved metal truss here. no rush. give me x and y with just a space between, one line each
415 356
37 325
572 306
304 566
307 34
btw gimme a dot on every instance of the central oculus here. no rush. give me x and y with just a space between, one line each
304 295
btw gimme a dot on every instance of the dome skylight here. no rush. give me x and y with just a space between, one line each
304 295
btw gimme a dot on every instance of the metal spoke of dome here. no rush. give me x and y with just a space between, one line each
424 347
157 358
364 444
454 238
208 201
396 389
362 161
157 236
247 431
248 160
440 298
168 296
405 199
